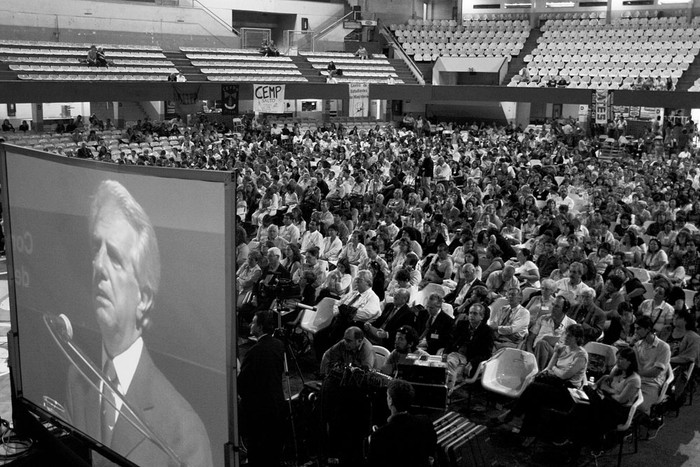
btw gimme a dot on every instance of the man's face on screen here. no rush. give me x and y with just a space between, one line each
116 292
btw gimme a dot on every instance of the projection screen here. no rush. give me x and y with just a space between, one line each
86 289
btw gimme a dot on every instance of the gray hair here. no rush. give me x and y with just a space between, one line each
401 292
145 253
365 275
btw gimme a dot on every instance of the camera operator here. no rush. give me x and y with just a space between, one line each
270 277
353 349
346 407
261 393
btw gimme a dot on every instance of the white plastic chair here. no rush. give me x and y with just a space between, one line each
423 294
606 351
630 423
509 371
381 354
689 296
663 393
319 318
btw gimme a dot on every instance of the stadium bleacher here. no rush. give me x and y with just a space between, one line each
64 61
245 65
377 69
477 37
589 53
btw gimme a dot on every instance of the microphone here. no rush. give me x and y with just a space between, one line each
60 325
61 330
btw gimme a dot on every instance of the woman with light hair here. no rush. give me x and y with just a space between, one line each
541 304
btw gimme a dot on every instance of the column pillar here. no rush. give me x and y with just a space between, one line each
38 117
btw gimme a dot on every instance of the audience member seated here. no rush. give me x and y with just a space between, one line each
332 245
657 309
396 314
355 308
332 70
337 282
510 323
91 58
101 59
7 126
654 357
362 53
610 400
438 326
470 344
467 283
499 282
548 331
549 390
405 342
684 343
572 287
541 303
440 268
269 49
589 315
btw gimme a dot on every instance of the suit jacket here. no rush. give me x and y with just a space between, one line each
475 344
260 382
451 298
403 316
158 404
437 334
592 318
406 440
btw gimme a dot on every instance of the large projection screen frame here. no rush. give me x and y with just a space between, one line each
229 451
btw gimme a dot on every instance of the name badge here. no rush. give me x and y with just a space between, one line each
435 336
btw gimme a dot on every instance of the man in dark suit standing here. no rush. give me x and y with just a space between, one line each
383 330
262 396
125 281
406 439
438 329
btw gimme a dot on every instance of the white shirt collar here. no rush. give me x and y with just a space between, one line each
125 364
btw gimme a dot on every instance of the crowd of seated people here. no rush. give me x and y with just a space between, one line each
654 84
517 238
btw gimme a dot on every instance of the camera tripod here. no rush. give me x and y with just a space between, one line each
283 335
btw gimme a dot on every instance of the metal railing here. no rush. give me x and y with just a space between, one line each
216 17
386 32
332 26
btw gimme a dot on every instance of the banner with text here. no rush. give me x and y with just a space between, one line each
359 99
602 103
268 98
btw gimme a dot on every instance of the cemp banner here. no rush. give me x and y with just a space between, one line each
268 98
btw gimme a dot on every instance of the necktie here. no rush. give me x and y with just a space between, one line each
356 298
109 411
506 316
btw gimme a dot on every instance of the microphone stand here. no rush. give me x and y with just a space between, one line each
62 332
